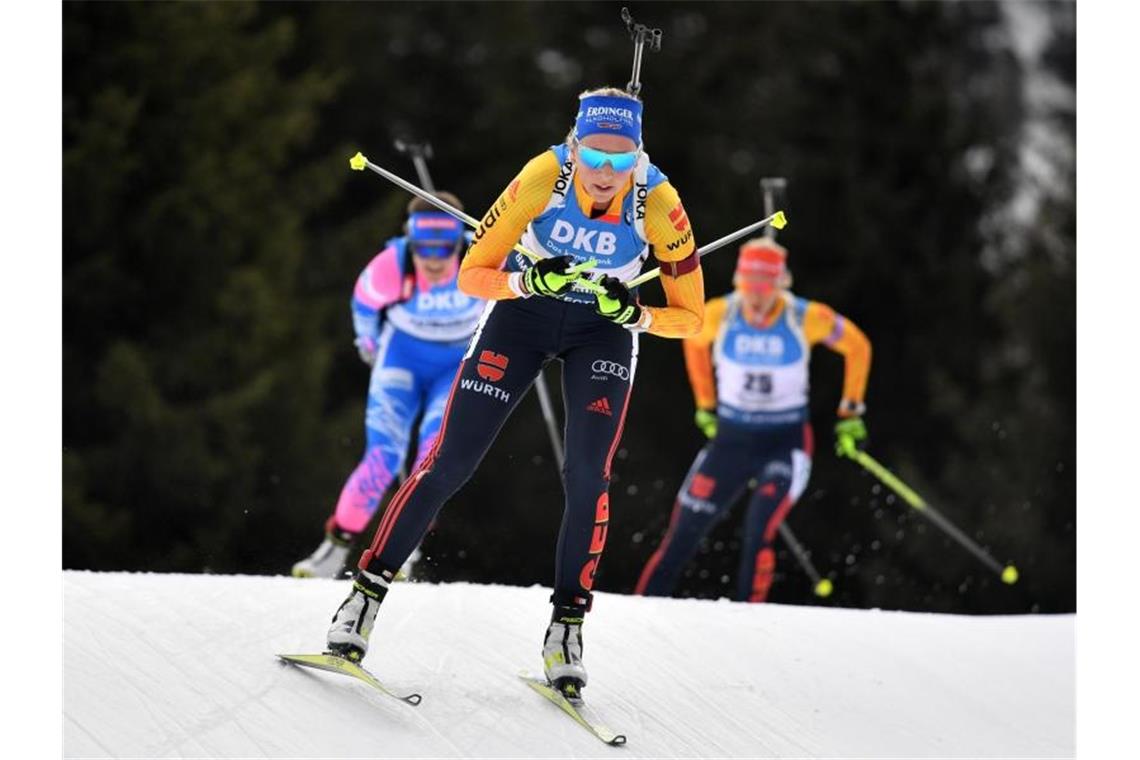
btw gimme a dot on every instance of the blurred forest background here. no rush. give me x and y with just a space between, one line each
212 397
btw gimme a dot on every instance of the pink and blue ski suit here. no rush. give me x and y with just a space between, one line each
420 333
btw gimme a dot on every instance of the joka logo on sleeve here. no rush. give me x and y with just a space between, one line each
564 175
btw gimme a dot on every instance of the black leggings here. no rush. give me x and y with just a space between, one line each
514 341
774 463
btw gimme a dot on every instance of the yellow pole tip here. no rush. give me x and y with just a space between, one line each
780 221
1009 575
358 161
823 588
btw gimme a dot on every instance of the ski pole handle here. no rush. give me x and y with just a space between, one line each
777 220
419 153
359 163
773 189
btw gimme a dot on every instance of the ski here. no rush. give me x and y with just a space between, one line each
337 664
576 708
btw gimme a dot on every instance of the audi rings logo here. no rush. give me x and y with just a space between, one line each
603 367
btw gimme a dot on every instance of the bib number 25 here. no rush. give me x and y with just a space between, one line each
758 382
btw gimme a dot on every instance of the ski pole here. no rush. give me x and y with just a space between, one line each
359 163
821 586
640 34
420 153
777 220
773 189
544 401
417 151
1008 573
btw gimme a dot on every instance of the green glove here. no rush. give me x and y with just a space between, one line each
617 304
850 436
549 277
706 422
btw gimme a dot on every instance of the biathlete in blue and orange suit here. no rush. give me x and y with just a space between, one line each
597 196
412 325
755 412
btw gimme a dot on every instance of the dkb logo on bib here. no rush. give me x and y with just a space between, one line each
589 241
764 345
452 299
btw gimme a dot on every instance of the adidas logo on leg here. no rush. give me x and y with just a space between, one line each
601 406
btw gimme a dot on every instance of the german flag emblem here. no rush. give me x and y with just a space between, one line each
492 366
679 218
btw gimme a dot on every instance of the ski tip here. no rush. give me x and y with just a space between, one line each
358 162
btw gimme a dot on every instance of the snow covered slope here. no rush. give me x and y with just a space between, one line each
182 666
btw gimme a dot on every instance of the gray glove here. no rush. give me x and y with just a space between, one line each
366 347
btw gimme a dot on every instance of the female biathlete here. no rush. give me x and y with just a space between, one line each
597 196
755 413
412 325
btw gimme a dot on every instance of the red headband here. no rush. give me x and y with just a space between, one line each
761 265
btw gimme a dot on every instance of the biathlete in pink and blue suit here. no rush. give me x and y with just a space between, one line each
412 325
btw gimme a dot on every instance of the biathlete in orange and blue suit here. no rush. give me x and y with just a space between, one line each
754 409
596 196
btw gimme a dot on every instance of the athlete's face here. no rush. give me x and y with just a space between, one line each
434 270
758 303
603 184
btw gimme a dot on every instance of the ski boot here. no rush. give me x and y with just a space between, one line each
352 623
328 560
562 651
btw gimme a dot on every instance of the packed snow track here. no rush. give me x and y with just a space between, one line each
164 666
